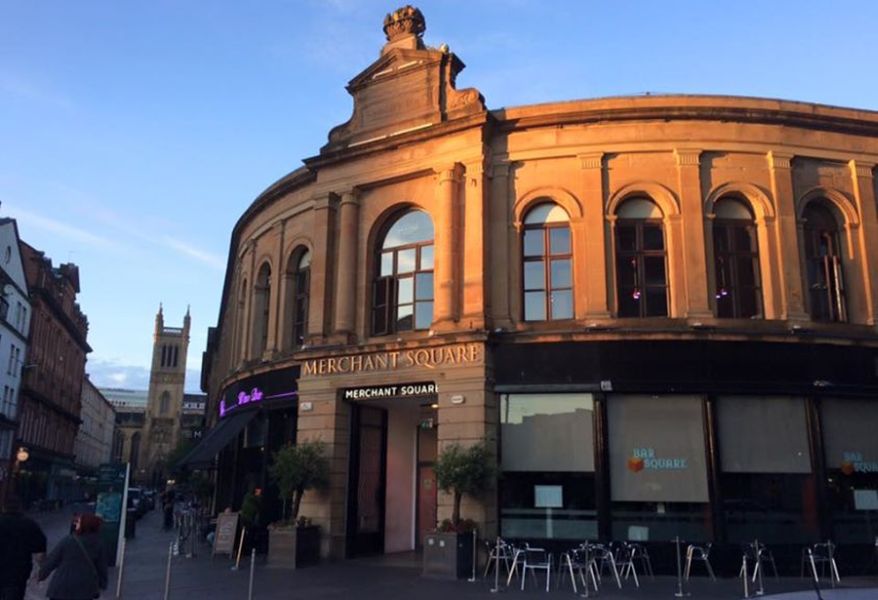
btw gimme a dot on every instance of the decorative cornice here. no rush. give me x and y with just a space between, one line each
452 173
592 160
351 196
780 160
687 156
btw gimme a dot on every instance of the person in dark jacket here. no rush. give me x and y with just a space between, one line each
20 540
79 562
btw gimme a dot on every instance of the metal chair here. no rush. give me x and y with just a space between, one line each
497 549
605 557
757 554
701 553
633 552
517 562
823 553
578 561
536 559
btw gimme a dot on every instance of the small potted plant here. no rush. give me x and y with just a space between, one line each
448 552
294 542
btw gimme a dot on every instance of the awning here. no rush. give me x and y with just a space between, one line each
217 439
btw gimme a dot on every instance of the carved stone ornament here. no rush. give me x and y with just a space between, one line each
407 20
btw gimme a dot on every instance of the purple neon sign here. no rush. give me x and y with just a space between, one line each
243 398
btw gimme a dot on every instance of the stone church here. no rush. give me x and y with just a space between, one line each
153 424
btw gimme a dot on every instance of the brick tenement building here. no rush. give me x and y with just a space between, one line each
52 383
658 312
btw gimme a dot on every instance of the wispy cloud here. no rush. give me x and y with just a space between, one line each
28 218
27 90
203 256
116 374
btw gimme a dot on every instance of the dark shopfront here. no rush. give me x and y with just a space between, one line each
257 417
712 441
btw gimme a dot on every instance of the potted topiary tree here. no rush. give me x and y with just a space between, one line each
294 542
448 552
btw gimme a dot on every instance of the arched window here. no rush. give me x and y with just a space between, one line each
736 261
641 260
823 264
547 264
298 282
402 293
165 403
240 344
261 305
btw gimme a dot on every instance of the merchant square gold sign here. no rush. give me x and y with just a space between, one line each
428 358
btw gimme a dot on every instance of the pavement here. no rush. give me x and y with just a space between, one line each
392 577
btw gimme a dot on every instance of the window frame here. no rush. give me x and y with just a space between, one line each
546 259
831 265
639 254
725 265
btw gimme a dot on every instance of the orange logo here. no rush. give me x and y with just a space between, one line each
635 464
847 467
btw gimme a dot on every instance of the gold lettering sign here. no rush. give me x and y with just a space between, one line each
426 358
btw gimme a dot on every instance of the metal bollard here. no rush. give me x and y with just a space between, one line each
121 569
252 569
746 576
680 593
475 558
496 587
168 571
240 549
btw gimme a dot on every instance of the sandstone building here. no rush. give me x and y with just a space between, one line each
659 312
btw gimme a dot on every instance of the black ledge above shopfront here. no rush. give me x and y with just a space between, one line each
710 367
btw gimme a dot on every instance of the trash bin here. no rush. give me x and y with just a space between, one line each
130 523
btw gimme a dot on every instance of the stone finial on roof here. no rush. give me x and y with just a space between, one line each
404 21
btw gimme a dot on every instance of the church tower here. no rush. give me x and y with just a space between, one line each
164 410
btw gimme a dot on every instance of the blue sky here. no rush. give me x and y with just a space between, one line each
133 134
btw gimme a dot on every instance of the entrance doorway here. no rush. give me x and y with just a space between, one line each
427 491
366 493
392 484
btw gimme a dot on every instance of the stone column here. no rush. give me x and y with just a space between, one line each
321 259
590 275
500 216
789 258
247 347
346 267
694 263
473 255
866 236
447 240
275 313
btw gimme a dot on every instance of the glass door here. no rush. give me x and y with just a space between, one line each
368 478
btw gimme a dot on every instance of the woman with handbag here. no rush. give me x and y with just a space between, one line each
79 562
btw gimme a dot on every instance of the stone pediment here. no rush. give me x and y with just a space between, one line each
405 90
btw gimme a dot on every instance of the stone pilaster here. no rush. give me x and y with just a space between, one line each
789 258
866 236
473 257
694 263
346 268
447 239
589 242
321 277
501 250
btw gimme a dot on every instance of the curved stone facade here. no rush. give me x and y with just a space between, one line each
640 181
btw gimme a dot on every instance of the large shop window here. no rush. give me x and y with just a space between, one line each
736 261
824 265
641 261
767 485
658 468
851 447
402 293
547 462
547 264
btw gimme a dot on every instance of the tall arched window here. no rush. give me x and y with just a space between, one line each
736 261
298 283
641 260
823 264
165 403
241 318
547 264
402 293
261 305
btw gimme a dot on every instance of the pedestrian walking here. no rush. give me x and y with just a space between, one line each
79 562
22 541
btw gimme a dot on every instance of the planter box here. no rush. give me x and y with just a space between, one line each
293 547
448 555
